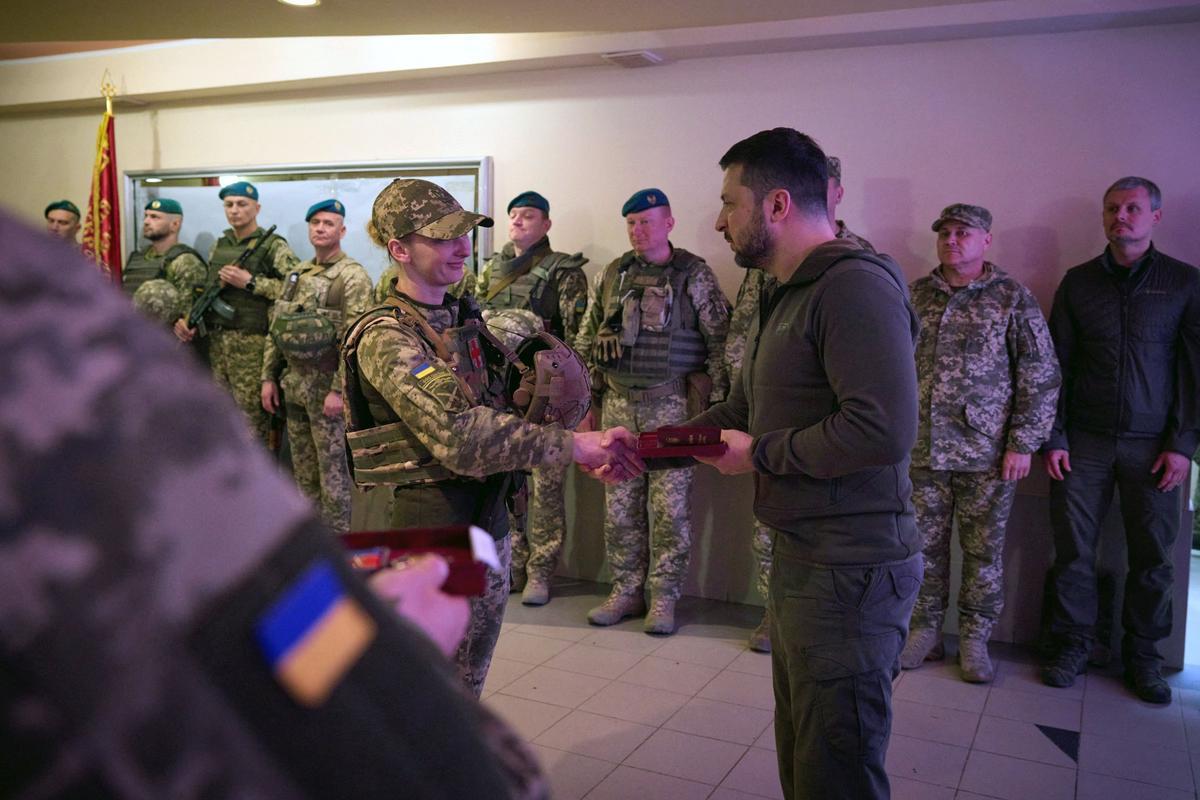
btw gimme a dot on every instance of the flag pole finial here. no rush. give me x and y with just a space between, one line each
108 90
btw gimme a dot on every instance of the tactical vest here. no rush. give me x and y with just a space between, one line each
537 289
306 319
666 351
251 310
382 449
139 268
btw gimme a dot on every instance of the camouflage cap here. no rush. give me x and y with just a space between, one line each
972 216
833 166
61 205
166 205
411 205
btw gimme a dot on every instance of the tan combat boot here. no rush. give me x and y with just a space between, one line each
616 608
661 618
760 640
973 661
516 580
922 644
537 591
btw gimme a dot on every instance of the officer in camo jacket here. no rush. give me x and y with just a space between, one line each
165 277
429 417
301 356
745 311
146 570
655 322
528 274
988 380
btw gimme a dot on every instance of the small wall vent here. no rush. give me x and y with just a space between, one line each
632 59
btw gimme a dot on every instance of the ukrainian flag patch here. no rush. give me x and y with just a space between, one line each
313 634
422 370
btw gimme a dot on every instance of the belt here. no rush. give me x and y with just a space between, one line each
676 386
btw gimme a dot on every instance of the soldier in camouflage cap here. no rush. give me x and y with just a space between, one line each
301 356
167 275
528 274
655 326
235 347
154 578
754 285
988 383
428 415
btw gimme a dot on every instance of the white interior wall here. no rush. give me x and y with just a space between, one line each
1033 127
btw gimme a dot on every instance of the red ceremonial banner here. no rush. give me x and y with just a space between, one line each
102 225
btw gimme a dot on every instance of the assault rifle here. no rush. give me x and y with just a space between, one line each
211 296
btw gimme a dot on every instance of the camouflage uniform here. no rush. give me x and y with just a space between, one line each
561 299
404 382
235 349
169 294
631 545
305 365
130 663
754 284
987 382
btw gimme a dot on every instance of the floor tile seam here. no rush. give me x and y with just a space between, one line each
550 703
709 738
1025 758
736 761
712 786
1157 745
1031 722
1134 780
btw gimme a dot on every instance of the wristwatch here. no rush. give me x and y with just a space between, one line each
250 285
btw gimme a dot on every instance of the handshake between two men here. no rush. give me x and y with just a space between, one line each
616 454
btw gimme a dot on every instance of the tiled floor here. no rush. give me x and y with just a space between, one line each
614 713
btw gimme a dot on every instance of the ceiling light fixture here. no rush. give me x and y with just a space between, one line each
301 3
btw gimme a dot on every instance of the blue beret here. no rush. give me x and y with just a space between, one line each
529 200
239 189
62 205
325 205
165 205
646 198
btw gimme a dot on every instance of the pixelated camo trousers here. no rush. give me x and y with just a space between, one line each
538 551
474 655
236 360
648 520
980 502
318 445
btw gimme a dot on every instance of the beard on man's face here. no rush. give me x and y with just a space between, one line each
755 250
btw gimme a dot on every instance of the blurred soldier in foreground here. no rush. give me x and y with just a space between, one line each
195 633
528 274
166 277
62 220
302 355
988 381
755 286
824 414
235 347
430 393
654 334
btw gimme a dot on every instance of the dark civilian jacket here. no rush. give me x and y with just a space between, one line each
1129 348
829 393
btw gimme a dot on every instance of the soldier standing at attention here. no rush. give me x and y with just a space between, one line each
308 321
755 283
235 347
429 416
987 379
165 277
62 220
528 274
656 321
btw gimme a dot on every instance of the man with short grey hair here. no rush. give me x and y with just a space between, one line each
987 381
1126 326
